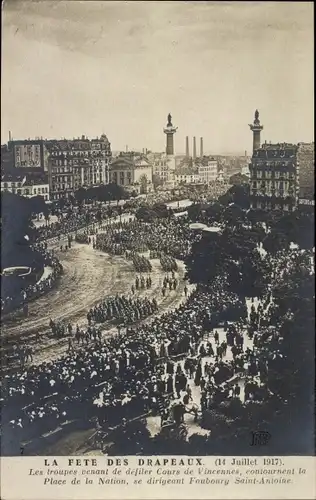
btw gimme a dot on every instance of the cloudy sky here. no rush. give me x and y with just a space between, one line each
83 67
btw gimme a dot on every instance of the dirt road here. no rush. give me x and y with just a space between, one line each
89 276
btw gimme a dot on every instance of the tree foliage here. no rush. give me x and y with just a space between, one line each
108 192
17 230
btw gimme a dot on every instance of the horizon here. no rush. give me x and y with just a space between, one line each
78 68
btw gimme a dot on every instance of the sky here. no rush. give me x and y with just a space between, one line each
72 68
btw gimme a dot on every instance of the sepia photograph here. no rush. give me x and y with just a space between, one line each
157 224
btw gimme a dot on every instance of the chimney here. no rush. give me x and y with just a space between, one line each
194 148
126 148
246 154
187 150
10 137
201 147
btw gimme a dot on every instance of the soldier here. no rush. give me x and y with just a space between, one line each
26 310
236 390
70 345
77 335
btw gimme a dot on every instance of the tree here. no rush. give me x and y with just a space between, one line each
303 230
18 234
161 210
196 211
143 184
171 441
157 181
238 195
131 439
205 261
214 212
275 242
38 205
233 214
146 214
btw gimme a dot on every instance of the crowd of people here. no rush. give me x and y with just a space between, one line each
65 224
146 367
123 310
130 365
212 342
141 263
140 283
168 263
170 238
74 219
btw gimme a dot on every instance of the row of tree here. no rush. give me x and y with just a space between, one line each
17 228
103 192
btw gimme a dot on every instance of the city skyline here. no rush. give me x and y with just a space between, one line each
120 68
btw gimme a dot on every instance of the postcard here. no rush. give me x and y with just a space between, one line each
157 257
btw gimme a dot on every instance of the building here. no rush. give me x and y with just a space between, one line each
207 170
77 163
133 171
13 183
164 166
26 186
36 185
245 171
186 176
161 166
6 160
306 160
274 177
221 178
29 154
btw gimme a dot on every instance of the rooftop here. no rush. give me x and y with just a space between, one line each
274 151
36 180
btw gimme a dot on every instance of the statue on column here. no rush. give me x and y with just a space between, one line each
257 116
169 124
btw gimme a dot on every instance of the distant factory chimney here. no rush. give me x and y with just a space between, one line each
201 147
126 148
187 150
10 137
246 154
194 148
